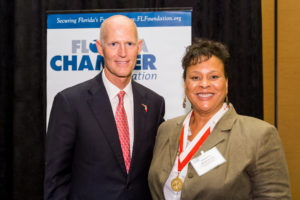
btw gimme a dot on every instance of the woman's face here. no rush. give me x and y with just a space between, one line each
206 86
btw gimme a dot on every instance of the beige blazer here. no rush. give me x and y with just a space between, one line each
255 166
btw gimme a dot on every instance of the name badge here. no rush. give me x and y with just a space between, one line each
207 161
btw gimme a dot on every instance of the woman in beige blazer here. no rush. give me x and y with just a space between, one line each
212 153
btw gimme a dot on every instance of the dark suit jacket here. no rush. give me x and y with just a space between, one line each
255 166
84 159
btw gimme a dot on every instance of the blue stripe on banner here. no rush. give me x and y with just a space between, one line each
142 19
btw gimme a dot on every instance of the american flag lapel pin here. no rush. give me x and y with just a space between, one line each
145 107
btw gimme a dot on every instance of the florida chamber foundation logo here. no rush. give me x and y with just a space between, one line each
84 57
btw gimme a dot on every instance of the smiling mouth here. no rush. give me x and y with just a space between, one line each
122 62
206 95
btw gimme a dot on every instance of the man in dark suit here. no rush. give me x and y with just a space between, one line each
99 144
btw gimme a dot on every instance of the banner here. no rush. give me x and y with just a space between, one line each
72 55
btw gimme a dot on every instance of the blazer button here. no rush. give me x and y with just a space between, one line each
190 175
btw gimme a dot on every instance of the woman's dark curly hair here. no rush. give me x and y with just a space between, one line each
201 50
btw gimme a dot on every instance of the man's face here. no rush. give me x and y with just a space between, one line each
119 47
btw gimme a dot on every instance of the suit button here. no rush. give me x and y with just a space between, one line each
190 175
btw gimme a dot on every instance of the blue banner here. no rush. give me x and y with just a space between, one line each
72 55
142 19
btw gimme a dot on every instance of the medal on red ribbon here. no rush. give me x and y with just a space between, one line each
185 155
176 183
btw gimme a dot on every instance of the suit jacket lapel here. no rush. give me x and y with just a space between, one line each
220 132
174 140
139 98
101 107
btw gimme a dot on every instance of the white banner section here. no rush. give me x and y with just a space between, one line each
72 56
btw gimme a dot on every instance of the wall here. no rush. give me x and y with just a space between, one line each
289 86
288 79
268 50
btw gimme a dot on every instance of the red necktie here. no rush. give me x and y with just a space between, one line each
123 130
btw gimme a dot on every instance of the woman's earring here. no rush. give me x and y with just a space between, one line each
184 102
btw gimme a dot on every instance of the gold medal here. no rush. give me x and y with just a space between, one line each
176 184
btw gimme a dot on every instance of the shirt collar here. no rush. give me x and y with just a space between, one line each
113 90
